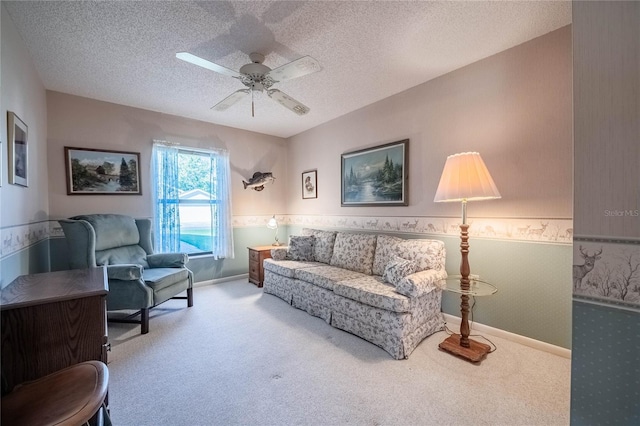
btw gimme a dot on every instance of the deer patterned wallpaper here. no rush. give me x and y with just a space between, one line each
16 238
534 230
609 272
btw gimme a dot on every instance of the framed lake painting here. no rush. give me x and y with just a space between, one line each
376 176
102 172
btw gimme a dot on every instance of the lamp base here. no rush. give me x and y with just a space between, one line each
474 353
276 244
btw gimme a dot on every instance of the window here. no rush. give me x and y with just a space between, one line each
192 201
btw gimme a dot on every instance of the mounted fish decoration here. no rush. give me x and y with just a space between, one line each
258 180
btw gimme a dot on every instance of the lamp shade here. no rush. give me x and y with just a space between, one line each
273 223
465 178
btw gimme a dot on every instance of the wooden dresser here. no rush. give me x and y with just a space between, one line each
53 320
256 256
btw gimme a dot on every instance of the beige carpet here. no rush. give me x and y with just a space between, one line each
241 357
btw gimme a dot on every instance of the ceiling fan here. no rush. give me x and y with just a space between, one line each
258 77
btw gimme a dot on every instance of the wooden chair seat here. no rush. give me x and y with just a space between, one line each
69 397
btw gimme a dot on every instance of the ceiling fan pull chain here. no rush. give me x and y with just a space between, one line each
252 114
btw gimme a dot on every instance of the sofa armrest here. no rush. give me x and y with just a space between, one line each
280 254
167 260
421 283
124 272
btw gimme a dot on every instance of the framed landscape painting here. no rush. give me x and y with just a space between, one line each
102 172
376 176
310 184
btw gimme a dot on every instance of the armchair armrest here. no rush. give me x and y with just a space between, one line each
421 283
124 272
167 260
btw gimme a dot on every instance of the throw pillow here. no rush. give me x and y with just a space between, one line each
323 244
301 247
386 248
279 254
397 269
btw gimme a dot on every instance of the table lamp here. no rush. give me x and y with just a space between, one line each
273 224
465 178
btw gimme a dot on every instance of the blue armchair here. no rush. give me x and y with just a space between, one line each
138 278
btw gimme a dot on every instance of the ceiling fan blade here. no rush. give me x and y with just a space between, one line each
195 60
298 68
288 102
230 100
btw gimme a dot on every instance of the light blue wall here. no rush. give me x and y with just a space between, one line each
534 287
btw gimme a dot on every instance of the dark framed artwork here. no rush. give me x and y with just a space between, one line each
376 176
18 152
310 184
102 172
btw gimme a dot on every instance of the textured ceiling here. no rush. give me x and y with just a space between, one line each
124 52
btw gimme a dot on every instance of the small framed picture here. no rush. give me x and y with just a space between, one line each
102 172
310 184
17 136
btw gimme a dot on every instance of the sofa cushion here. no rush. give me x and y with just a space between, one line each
354 252
301 247
386 247
323 247
397 269
325 276
428 254
372 291
286 268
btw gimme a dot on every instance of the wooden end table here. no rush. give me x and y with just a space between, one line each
257 255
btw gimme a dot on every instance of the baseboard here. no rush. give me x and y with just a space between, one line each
221 280
454 323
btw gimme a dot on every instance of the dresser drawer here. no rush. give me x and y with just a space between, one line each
254 256
254 270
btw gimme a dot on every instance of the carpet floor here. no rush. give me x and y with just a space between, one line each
241 357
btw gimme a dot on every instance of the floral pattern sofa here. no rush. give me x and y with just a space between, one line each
385 289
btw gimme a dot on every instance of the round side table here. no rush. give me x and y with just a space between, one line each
460 344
